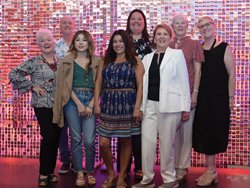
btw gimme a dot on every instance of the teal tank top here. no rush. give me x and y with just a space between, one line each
82 78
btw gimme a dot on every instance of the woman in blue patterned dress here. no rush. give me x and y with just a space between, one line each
137 29
120 78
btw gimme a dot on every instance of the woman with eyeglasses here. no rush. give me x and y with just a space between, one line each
215 99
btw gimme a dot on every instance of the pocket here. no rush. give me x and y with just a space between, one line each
174 90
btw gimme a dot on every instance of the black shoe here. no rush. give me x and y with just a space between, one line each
64 168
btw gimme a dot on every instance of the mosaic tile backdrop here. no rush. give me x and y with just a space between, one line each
20 19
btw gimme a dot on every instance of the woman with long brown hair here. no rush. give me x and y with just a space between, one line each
74 97
120 77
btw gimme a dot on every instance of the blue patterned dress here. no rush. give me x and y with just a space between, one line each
118 100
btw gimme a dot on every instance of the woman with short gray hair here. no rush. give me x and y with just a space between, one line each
42 83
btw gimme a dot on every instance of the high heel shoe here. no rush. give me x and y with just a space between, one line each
207 179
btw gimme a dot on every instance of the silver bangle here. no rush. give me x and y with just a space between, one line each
196 91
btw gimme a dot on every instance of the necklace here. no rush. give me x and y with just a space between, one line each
52 66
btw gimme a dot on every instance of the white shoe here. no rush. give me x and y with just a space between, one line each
148 185
181 174
174 184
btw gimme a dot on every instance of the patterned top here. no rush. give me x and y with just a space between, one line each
61 49
118 100
142 47
41 74
193 51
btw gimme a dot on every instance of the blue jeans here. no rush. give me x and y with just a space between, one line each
77 126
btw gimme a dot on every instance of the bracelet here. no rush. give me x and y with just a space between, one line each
196 91
231 97
90 107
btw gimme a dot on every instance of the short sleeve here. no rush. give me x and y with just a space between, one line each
198 54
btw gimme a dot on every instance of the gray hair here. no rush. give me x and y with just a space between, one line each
67 18
205 17
178 16
42 32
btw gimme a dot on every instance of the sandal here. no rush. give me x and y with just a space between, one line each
80 179
91 179
138 175
208 179
121 184
53 178
108 183
43 181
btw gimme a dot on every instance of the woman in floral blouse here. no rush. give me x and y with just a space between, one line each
42 83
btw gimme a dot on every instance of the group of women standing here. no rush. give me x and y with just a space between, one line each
137 93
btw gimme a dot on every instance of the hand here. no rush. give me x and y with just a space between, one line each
97 111
137 115
185 116
39 91
88 112
81 109
231 103
194 100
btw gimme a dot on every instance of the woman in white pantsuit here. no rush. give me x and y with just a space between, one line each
166 101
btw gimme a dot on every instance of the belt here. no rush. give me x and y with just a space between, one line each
120 89
84 89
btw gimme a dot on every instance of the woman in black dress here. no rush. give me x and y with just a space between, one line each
215 100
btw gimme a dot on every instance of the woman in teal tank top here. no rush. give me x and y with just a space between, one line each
76 79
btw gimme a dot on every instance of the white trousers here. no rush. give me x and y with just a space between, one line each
183 143
166 125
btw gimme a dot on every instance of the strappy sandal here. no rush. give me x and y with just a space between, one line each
121 184
53 178
80 179
43 181
91 179
108 183
208 179
138 175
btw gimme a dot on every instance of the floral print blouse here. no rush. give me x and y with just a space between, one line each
41 74
142 47
61 49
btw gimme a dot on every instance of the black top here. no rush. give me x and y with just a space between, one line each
154 78
142 47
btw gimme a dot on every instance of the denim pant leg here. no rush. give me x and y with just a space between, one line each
74 121
88 126
64 144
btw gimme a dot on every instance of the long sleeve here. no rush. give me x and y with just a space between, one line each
57 108
184 81
18 76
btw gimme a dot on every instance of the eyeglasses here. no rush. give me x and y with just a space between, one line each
205 25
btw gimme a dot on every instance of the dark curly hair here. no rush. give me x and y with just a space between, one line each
130 53
145 35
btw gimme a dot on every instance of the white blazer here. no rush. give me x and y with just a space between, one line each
174 82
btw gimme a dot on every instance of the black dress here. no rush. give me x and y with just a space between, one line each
212 116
